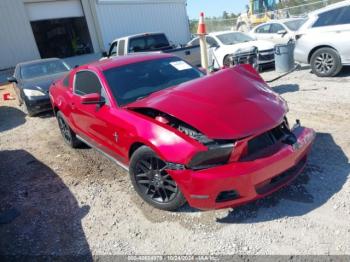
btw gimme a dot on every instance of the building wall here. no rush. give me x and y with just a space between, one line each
17 43
119 18
106 19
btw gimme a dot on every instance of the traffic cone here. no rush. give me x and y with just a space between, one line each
202 29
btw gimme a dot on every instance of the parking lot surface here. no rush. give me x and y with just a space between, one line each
56 200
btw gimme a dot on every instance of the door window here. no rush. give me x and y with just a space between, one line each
345 16
86 82
264 29
337 16
211 41
195 42
275 28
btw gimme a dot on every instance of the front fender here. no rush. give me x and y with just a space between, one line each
170 144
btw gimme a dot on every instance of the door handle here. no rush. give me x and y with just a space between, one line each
187 52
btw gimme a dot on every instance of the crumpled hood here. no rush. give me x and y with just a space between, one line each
230 104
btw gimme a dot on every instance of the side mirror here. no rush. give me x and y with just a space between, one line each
104 54
282 32
92 99
214 46
12 79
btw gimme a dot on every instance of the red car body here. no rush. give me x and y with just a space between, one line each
232 104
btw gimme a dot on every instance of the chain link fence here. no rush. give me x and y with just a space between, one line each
219 24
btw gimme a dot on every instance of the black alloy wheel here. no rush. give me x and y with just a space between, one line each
68 135
326 62
152 182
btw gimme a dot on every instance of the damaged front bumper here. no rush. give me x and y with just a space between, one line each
237 183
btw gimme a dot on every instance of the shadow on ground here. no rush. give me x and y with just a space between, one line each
326 172
39 215
344 72
10 117
282 89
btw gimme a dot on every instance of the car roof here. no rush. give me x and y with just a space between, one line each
38 61
281 21
124 60
286 20
330 7
223 32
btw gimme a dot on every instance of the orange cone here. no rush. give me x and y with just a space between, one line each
202 29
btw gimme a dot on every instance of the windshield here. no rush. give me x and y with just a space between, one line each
147 43
135 81
294 25
234 38
43 69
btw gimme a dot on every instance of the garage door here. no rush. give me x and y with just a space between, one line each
55 9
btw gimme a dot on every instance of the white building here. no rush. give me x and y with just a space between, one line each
33 29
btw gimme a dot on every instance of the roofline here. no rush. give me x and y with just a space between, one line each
330 7
37 61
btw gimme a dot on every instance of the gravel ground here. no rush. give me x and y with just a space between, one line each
56 200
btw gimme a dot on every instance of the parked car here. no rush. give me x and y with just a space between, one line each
214 141
323 41
224 44
278 31
152 42
32 81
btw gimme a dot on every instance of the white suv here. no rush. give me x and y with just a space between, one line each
324 40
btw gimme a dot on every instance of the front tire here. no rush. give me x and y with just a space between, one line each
227 61
151 181
326 62
26 110
67 133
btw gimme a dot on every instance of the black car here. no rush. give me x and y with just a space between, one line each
32 81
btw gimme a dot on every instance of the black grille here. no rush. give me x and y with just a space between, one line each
266 57
270 138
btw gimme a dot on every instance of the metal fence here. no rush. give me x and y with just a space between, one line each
219 24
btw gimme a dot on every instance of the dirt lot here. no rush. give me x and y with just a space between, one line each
56 200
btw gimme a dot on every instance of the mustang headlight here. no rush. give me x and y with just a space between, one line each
33 92
216 155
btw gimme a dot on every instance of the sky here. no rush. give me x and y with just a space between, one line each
214 7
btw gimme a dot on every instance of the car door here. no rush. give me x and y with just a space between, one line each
96 123
213 47
333 27
275 36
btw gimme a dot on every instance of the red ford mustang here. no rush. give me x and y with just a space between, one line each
214 141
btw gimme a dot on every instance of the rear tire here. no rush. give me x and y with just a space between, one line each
326 62
67 133
152 183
